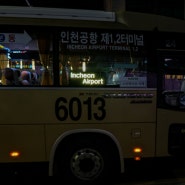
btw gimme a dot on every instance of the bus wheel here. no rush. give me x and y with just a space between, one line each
85 162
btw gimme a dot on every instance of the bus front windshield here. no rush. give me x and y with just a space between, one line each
173 73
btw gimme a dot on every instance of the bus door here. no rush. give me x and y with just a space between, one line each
171 103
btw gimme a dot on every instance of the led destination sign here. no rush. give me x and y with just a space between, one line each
101 40
87 78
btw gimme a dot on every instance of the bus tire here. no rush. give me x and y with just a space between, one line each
86 161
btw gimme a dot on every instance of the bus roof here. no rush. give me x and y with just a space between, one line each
44 16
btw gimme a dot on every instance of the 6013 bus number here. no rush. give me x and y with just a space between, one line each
73 108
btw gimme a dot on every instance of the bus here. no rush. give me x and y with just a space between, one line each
83 93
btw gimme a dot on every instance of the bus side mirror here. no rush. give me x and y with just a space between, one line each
171 99
174 99
182 99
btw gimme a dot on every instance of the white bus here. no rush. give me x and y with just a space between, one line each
84 94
